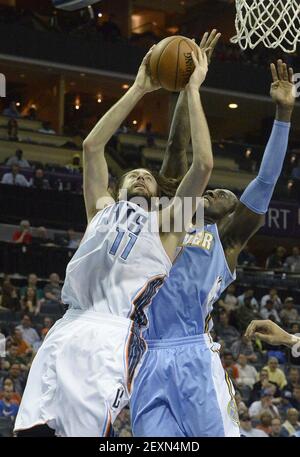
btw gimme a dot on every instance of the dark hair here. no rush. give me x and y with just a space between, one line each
167 187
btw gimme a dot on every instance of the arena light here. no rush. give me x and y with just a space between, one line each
100 14
77 103
125 86
134 122
18 104
99 98
233 105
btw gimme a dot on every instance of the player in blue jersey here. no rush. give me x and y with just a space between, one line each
182 389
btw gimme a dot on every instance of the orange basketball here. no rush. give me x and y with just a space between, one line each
171 62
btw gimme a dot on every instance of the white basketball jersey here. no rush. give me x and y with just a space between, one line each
119 265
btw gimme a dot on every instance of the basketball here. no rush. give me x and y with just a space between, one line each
171 62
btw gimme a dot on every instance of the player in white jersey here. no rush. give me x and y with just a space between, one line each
82 375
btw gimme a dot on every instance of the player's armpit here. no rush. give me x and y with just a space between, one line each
95 181
236 230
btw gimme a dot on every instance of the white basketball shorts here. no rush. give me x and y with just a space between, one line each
82 375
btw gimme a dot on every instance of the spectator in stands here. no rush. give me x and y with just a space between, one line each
272 295
13 357
12 130
30 303
292 262
52 291
295 328
48 323
229 365
32 113
265 421
293 378
17 159
276 375
269 312
15 178
75 165
285 403
247 430
241 406
10 299
29 334
46 128
8 408
246 258
148 132
263 383
16 397
295 400
24 348
264 404
23 235
122 424
39 181
249 293
295 174
16 376
244 346
32 281
225 331
11 110
289 313
41 238
277 259
110 30
247 373
276 428
245 314
74 241
229 301
291 425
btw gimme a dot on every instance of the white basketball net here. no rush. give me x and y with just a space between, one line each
275 23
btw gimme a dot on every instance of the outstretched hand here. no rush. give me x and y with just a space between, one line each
209 42
143 79
282 88
269 332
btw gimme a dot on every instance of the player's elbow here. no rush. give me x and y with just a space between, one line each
205 165
90 145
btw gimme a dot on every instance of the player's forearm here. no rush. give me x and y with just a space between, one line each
201 142
259 192
175 162
111 121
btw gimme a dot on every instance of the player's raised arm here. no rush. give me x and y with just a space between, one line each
248 216
95 171
197 177
175 164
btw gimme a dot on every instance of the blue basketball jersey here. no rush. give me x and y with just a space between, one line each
198 277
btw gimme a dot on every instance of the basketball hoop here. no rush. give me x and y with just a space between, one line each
274 23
